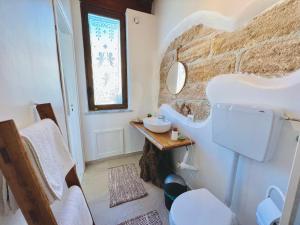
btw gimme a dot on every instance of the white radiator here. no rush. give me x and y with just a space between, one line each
109 142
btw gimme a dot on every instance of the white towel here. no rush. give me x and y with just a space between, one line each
8 202
72 209
50 152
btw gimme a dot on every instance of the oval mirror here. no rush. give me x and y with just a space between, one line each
176 78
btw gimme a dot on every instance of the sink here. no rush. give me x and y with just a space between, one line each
157 125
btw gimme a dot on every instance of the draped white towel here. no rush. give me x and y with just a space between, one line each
8 203
72 209
50 152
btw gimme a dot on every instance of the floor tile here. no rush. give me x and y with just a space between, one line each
95 186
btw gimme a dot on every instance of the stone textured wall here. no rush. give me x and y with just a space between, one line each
268 46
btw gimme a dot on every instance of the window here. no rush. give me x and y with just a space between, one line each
105 59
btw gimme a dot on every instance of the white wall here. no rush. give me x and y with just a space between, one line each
141 46
28 66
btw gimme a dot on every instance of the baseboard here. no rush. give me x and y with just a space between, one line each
92 162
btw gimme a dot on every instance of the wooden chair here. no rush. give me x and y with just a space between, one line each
21 177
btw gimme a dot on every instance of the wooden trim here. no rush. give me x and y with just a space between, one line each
72 178
121 5
19 173
85 10
46 112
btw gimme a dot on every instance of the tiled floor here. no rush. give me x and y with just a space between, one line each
95 186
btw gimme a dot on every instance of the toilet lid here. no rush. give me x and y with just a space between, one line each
200 207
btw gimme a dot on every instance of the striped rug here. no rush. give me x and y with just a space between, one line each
124 184
151 218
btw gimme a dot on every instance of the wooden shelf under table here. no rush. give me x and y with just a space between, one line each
161 141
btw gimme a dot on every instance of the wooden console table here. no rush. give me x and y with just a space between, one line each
156 163
161 141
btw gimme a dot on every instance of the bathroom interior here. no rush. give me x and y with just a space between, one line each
150 112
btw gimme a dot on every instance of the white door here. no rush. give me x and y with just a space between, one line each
70 89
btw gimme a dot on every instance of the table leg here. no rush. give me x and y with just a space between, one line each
155 164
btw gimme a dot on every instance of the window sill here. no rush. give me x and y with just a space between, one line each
108 111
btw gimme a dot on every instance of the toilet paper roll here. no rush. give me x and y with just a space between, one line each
267 213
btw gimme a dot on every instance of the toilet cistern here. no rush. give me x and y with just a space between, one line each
247 130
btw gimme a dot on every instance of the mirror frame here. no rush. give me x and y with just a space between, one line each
185 80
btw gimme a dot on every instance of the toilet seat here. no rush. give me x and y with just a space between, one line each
200 207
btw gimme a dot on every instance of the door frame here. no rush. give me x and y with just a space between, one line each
291 205
58 11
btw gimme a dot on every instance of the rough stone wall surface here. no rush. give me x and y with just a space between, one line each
268 46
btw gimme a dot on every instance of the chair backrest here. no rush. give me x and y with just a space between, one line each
20 175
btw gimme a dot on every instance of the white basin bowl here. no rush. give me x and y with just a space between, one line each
157 125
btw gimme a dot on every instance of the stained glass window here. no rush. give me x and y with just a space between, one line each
105 43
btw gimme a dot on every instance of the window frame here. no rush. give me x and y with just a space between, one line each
85 10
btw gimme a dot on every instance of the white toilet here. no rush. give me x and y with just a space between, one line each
232 125
200 207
